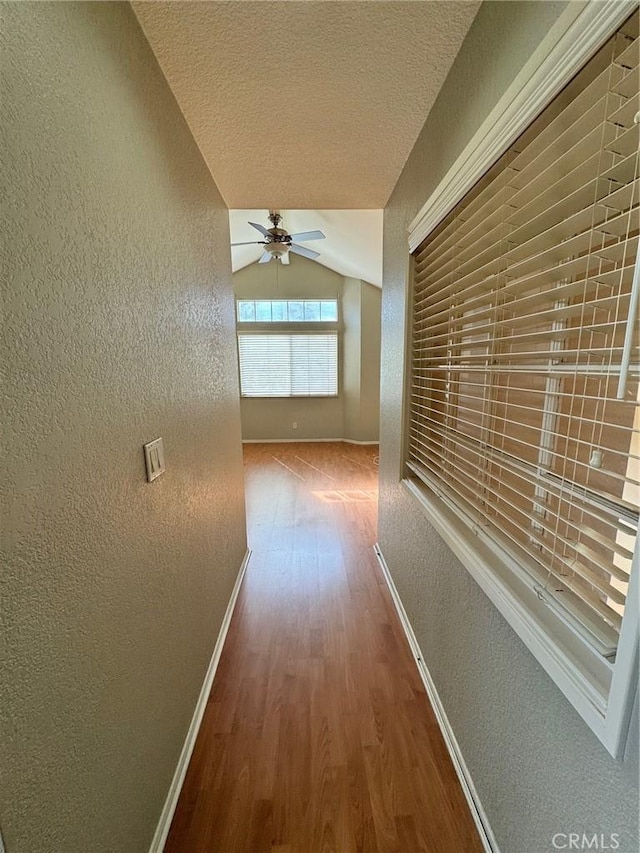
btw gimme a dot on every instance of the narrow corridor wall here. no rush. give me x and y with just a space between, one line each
537 767
119 328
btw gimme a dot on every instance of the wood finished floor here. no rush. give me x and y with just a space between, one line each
318 736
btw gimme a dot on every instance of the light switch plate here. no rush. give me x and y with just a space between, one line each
154 458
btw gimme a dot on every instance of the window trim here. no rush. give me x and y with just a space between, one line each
570 43
602 693
303 322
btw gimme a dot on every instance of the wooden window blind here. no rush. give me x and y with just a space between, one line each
523 409
288 365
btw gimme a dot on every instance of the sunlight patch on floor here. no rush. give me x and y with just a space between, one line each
352 496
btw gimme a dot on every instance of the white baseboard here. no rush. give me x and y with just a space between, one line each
164 824
304 440
289 440
479 816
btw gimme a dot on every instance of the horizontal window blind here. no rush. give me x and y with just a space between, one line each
288 365
521 320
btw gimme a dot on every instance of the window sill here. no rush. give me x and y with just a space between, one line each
289 397
600 691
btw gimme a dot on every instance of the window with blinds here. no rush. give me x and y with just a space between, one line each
288 365
523 409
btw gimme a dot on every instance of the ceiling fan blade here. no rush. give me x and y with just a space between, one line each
302 250
308 235
284 259
250 243
260 228
266 257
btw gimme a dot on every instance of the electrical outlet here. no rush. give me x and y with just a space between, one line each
295 424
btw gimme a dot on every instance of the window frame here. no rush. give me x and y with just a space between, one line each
271 323
601 691
292 327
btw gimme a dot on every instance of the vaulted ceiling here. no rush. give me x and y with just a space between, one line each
303 104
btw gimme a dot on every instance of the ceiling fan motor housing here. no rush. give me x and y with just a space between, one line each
278 242
279 235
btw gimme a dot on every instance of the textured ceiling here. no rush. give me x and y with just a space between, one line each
306 104
353 245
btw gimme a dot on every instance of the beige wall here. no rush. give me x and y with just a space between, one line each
352 354
348 415
119 328
361 305
537 767
371 306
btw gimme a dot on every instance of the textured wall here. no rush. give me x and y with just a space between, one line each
119 329
361 304
537 767
371 306
352 355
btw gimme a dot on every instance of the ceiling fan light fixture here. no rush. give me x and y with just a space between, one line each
277 250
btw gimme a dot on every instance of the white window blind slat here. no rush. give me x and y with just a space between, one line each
513 498
628 58
521 300
593 619
628 86
624 114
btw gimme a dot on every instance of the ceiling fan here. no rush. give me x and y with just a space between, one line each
278 242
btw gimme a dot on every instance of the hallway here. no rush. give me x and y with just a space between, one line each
318 735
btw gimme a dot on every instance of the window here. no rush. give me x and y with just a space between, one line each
287 310
288 348
288 365
524 422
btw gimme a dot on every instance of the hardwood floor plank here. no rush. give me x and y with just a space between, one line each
318 736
